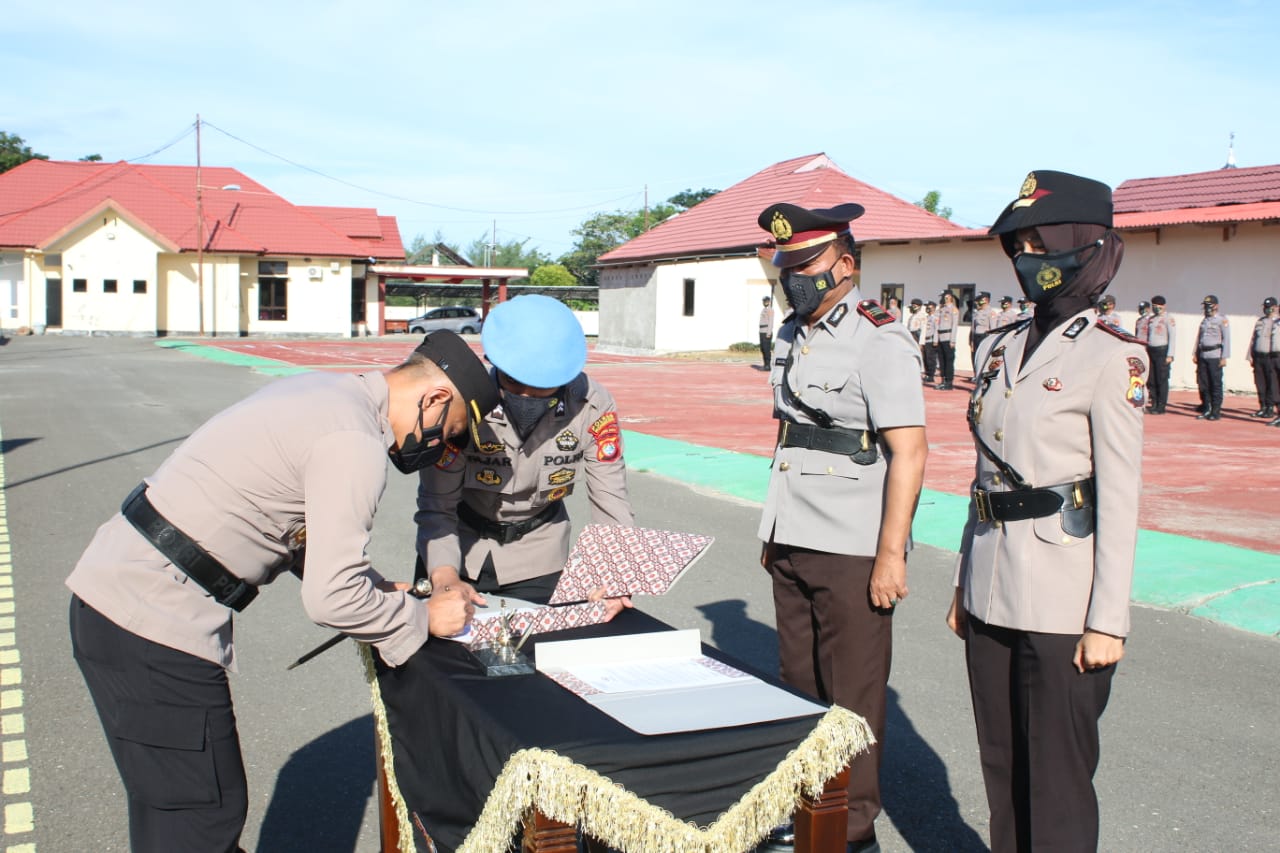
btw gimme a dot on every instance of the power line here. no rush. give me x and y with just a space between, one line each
406 199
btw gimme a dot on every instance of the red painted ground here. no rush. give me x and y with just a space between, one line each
1207 480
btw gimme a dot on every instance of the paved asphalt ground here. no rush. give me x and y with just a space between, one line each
1191 740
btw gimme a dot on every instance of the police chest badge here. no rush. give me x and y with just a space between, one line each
489 477
566 441
1053 384
559 478
489 447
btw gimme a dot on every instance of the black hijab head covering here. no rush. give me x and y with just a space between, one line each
1069 212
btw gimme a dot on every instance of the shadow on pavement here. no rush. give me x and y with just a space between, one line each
734 632
322 792
915 792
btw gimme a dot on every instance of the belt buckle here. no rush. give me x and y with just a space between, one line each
983 505
1077 494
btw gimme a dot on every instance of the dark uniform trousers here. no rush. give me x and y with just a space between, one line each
766 348
1037 718
832 644
1209 380
1158 383
1265 378
947 361
172 732
930 360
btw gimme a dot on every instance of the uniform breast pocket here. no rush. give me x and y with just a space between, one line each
820 464
1049 529
822 388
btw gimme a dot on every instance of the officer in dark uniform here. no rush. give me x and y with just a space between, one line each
1263 357
1213 348
1161 337
846 473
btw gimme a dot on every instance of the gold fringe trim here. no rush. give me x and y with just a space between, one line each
570 793
575 795
382 732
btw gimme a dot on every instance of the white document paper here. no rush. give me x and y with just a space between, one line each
660 683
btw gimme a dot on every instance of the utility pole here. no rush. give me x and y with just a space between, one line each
199 231
646 207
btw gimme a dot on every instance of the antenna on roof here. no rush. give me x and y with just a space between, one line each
1231 151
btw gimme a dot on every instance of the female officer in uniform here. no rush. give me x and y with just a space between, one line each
1046 560
494 510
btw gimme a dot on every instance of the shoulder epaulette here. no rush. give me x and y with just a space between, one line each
874 312
1119 333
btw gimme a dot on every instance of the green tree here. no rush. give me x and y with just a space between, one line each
91 158
930 203
513 253
688 198
605 231
14 152
552 275
420 248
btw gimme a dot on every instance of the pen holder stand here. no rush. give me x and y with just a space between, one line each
502 660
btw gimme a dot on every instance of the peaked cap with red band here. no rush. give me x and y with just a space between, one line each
1054 198
800 235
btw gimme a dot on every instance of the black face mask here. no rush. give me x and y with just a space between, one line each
804 292
1208 310
1044 276
414 454
525 412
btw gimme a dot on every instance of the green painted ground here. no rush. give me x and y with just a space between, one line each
1224 583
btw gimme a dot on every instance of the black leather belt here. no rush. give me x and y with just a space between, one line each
185 554
858 444
506 532
1021 504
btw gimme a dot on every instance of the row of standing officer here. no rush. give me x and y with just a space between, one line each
1264 357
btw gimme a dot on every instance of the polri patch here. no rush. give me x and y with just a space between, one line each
447 458
873 311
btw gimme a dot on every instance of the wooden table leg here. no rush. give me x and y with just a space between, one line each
821 823
544 835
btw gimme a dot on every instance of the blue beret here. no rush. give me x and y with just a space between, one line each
535 340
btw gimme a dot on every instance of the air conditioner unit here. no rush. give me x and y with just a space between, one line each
314 272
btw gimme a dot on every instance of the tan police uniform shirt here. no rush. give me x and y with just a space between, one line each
509 480
302 463
948 318
863 376
984 320
1073 411
1162 331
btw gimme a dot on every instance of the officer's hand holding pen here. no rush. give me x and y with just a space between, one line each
452 606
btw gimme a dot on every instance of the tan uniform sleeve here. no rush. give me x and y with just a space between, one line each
606 471
1116 426
345 475
439 491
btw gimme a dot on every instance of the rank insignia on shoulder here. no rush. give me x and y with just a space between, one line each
1073 331
1117 332
838 314
1053 384
873 311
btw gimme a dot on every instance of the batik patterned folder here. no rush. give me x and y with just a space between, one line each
627 561
486 627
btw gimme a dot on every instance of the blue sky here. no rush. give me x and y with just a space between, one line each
535 115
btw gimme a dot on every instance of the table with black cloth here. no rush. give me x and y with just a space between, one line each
473 756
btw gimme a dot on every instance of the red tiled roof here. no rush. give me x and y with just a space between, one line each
41 200
1199 190
1200 215
726 222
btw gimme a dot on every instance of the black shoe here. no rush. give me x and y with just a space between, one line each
1203 416
867 845
785 834
1214 416
1275 423
1262 413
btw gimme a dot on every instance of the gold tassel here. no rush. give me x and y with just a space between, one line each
383 734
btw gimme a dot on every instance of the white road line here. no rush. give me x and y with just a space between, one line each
15 774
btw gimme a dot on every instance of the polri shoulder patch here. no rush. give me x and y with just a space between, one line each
1118 333
874 312
1073 331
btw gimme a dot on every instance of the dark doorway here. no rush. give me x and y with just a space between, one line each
53 302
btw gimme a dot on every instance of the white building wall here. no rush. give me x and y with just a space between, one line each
627 310
726 304
108 247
